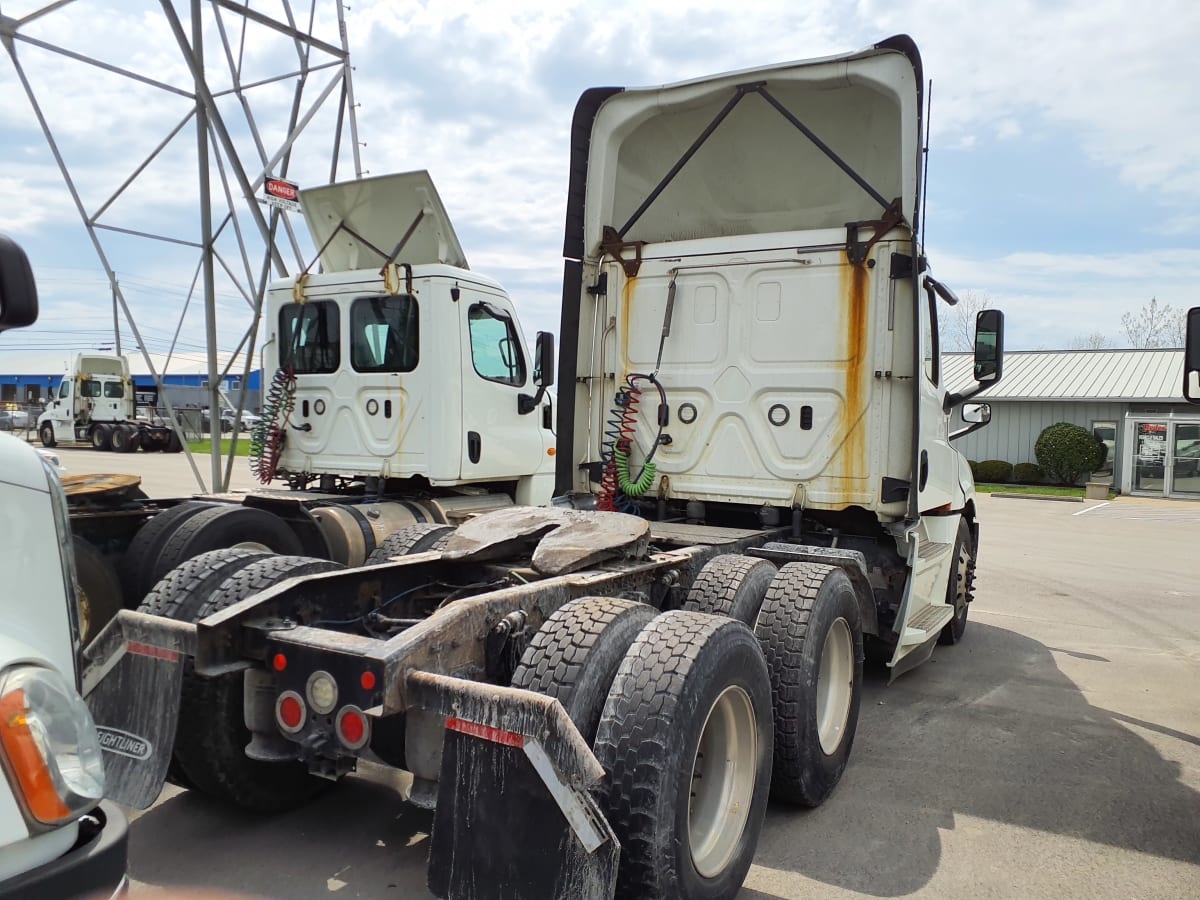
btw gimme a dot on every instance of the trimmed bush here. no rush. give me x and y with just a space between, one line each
994 471
974 468
1027 473
1067 452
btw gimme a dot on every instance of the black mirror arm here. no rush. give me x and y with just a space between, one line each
963 432
527 404
952 399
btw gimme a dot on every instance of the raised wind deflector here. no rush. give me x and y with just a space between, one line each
369 223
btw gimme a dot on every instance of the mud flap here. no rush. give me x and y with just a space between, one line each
514 817
132 673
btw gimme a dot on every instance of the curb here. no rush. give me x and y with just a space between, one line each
1037 497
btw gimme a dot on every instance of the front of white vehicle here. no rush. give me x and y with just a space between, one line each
57 838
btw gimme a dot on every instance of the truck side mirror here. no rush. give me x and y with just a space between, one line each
543 365
18 293
989 346
989 359
976 415
543 373
1191 357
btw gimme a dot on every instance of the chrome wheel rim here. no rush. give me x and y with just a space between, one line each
835 686
723 775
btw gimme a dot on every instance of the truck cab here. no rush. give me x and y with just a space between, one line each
57 837
402 365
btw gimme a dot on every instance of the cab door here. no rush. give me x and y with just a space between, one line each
498 442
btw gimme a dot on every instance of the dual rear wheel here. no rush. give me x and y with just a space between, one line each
697 715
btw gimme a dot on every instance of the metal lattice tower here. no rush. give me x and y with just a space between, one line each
238 241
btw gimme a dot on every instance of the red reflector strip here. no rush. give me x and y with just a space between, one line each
152 651
487 732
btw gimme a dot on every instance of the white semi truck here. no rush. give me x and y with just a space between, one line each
400 392
95 405
755 487
57 838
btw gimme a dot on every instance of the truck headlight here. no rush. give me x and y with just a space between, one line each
51 753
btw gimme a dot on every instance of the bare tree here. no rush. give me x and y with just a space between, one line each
956 324
1154 325
1093 341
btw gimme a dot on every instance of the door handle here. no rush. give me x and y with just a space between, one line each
474 446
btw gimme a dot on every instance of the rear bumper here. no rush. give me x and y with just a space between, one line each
94 867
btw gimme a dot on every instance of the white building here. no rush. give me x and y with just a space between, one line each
1131 400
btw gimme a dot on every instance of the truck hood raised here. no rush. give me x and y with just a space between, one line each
756 172
360 223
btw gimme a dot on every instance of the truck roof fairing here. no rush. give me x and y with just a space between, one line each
358 224
789 147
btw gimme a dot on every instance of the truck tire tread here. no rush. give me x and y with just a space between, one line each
137 564
575 655
647 743
222 526
211 737
802 604
731 585
417 538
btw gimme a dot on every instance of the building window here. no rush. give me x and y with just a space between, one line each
495 347
384 334
8 393
309 336
33 393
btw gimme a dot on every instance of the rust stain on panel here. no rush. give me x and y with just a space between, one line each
855 285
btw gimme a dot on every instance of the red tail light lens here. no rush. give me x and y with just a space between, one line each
279 662
352 727
290 712
368 681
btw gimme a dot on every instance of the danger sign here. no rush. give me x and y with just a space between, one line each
281 194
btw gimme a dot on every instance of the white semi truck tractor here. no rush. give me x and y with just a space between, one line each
755 488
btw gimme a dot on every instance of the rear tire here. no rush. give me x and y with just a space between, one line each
226 525
731 585
182 594
121 439
137 566
100 597
211 738
575 655
46 434
410 539
686 741
101 437
960 589
810 629
173 444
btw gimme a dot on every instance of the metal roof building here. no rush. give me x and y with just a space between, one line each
1132 400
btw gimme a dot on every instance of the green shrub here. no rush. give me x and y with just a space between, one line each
1067 452
974 468
994 471
1027 473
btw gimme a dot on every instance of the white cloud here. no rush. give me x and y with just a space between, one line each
481 94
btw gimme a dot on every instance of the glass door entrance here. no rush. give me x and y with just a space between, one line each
1166 458
1185 459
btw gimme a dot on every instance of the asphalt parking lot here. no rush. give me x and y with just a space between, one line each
1054 753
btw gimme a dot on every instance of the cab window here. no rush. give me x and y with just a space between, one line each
90 389
384 334
495 347
114 390
309 335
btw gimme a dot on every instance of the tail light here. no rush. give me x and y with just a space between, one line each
290 712
353 729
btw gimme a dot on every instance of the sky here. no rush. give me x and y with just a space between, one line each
1064 170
